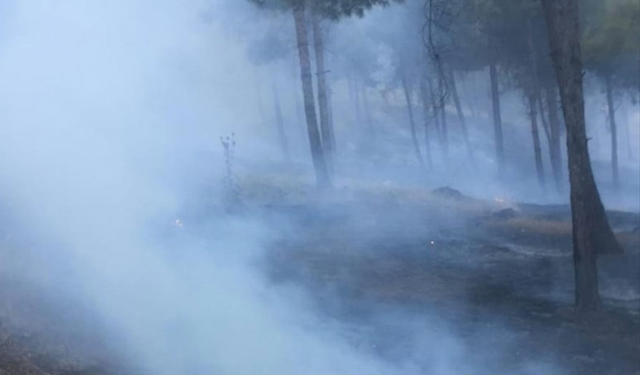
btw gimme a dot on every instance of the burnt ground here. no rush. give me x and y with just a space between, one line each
390 269
500 279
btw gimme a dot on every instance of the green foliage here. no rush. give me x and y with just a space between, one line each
611 42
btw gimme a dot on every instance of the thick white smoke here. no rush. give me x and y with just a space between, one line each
106 111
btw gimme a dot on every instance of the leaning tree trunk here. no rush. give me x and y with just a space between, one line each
328 137
282 136
497 117
555 152
461 117
614 132
412 123
315 142
591 231
425 111
535 135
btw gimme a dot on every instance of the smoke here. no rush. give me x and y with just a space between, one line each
110 113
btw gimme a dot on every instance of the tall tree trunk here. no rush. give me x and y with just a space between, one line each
461 117
442 103
497 117
328 137
535 134
315 142
330 110
591 231
614 132
367 111
555 152
301 134
355 97
535 102
627 133
425 111
543 119
436 115
282 136
472 97
412 123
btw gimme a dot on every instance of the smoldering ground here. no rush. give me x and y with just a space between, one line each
111 115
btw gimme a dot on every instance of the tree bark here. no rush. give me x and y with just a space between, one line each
461 117
591 231
535 134
614 133
555 152
282 136
315 142
412 123
497 117
426 115
326 130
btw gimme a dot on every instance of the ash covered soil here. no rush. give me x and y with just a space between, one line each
399 274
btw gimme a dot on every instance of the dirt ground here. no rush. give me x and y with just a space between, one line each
492 272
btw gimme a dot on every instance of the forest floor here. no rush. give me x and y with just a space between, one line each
385 264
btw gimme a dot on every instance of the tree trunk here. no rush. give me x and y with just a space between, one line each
497 117
367 111
614 133
543 119
333 133
535 134
412 123
442 101
472 97
436 114
301 134
425 111
555 152
315 142
282 136
356 98
534 101
591 231
461 118
326 131
627 133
